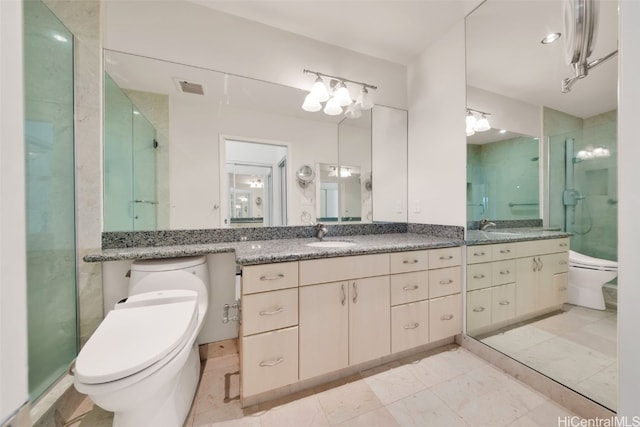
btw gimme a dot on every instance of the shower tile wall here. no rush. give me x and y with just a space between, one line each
506 173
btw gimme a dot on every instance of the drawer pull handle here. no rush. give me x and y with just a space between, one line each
410 288
446 317
270 363
505 251
478 309
446 257
414 261
412 326
479 254
563 289
505 272
541 263
446 282
272 312
563 262
479 276
274 277
562 245
344 295
505 302
355 292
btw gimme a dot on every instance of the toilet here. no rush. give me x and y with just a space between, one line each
586 277
142 362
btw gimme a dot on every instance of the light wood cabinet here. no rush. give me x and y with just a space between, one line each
409 326
478 310
369 319
409 287
445 317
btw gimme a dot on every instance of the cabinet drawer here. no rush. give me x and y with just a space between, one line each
478 309
445 317
409 326
445 281
409 287
479 253
402 262
545 246
343 268
446 257
269 277
560 263
269 360
503 303
479 276
269 310
503 272
504 251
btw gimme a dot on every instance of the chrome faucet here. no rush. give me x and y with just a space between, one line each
485 223
321 230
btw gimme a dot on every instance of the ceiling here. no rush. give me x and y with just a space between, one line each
504 53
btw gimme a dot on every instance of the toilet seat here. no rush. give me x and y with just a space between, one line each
579 260
138 335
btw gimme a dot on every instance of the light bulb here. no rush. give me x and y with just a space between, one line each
333 108
471 120
353 111
482 124
311 103
341 93
319 90
470 131
364 99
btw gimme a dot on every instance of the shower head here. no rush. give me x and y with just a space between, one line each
535 159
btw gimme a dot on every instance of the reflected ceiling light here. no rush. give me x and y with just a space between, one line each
502 131
600 151
256 184
344 171
60 38
475 124
550 38
340 96
333 107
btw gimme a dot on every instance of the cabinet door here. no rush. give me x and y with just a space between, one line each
445 317
527 277
560 287
409 326
503 272
503 307
324 328
479 276
545 292
409 287
369 319
478 310
267 311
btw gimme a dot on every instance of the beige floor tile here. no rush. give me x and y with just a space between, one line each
606 328
494 409
462 359
494 380
96 417
378 417
606 346
306 412
518 339
231 412
602 387
444 366
348 401
547 414
424 409
248 421
459 391
218 388
394 384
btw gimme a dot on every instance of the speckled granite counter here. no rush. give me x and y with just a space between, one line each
267 251
500 235
279 250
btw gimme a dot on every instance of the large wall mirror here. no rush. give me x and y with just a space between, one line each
555 160
192 148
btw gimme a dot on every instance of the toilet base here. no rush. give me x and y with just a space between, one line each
171 409
590 298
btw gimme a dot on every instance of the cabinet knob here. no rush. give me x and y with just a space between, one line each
274 277
270 363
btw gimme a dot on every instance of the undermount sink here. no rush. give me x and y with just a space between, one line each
331 244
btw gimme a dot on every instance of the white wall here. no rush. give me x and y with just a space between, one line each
507 113
196 127
437 139
193 34
13 281
628 211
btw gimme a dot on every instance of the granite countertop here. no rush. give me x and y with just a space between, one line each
504 235
279 250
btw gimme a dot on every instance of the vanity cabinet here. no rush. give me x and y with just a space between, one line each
508 282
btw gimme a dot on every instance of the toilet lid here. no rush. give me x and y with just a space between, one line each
578 259
132 339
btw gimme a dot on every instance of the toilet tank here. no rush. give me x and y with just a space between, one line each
150 275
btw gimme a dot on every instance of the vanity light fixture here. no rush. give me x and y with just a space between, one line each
600 151
337 96
475 124
256 184
502 131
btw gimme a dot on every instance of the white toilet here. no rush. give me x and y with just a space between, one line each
586 277
142 362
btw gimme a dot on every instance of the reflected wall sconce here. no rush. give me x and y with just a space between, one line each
337 96
477 124
600 151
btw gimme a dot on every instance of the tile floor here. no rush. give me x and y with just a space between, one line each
577 348
448 387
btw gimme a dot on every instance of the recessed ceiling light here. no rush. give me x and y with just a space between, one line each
503 131
550 38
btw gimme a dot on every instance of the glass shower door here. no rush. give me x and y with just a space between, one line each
50 188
